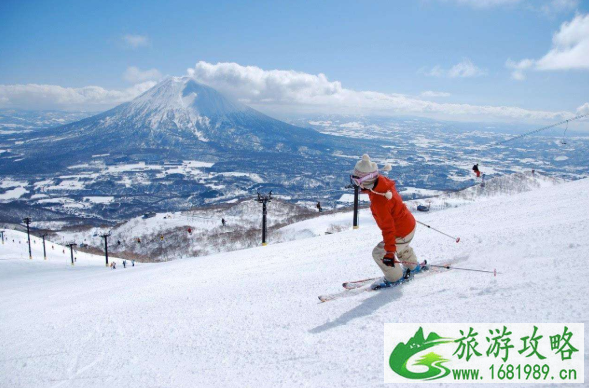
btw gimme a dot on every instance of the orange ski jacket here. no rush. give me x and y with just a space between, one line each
391 215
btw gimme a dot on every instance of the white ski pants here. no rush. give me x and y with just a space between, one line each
405 254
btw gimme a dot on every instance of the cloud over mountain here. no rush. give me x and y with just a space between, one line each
288 90
272 91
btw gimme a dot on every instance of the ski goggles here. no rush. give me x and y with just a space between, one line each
357 181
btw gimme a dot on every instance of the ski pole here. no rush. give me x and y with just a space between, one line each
494 272
457 239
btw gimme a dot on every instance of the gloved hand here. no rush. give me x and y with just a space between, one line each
389 260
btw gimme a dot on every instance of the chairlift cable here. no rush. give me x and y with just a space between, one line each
535 131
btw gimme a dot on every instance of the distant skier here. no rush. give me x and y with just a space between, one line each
476 170
393 218
189 230
124 263
223 221
133 263
319 207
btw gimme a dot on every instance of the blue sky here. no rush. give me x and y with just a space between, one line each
444 51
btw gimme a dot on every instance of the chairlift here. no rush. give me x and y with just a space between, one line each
563 141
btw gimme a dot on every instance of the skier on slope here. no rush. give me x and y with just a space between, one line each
393 218
476 170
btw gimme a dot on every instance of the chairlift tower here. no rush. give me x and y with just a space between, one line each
356 200
71 246
105 237
44 250
27 221
264 199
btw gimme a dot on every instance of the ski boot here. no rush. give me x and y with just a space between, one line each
384 283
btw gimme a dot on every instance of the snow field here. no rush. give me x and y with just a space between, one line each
252 318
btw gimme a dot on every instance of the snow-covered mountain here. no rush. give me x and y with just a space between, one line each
176 119
252 318
180 144
180 110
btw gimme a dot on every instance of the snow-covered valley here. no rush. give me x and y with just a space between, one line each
252 317
199 232
164 165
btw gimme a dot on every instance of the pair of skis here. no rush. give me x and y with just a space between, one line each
358 286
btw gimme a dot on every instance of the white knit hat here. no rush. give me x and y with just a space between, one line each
365 167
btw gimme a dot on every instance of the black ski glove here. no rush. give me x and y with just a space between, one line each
389 261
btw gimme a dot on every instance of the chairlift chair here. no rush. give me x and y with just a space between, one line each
563 141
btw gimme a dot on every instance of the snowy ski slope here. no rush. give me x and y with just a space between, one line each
15 247
251 318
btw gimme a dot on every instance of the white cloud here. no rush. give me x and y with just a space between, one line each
518 68
136 41
34 96
570 50
583 109
134 75
570 46
289 91
431 93
464 69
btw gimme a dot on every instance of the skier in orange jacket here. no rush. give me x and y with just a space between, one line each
396 222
